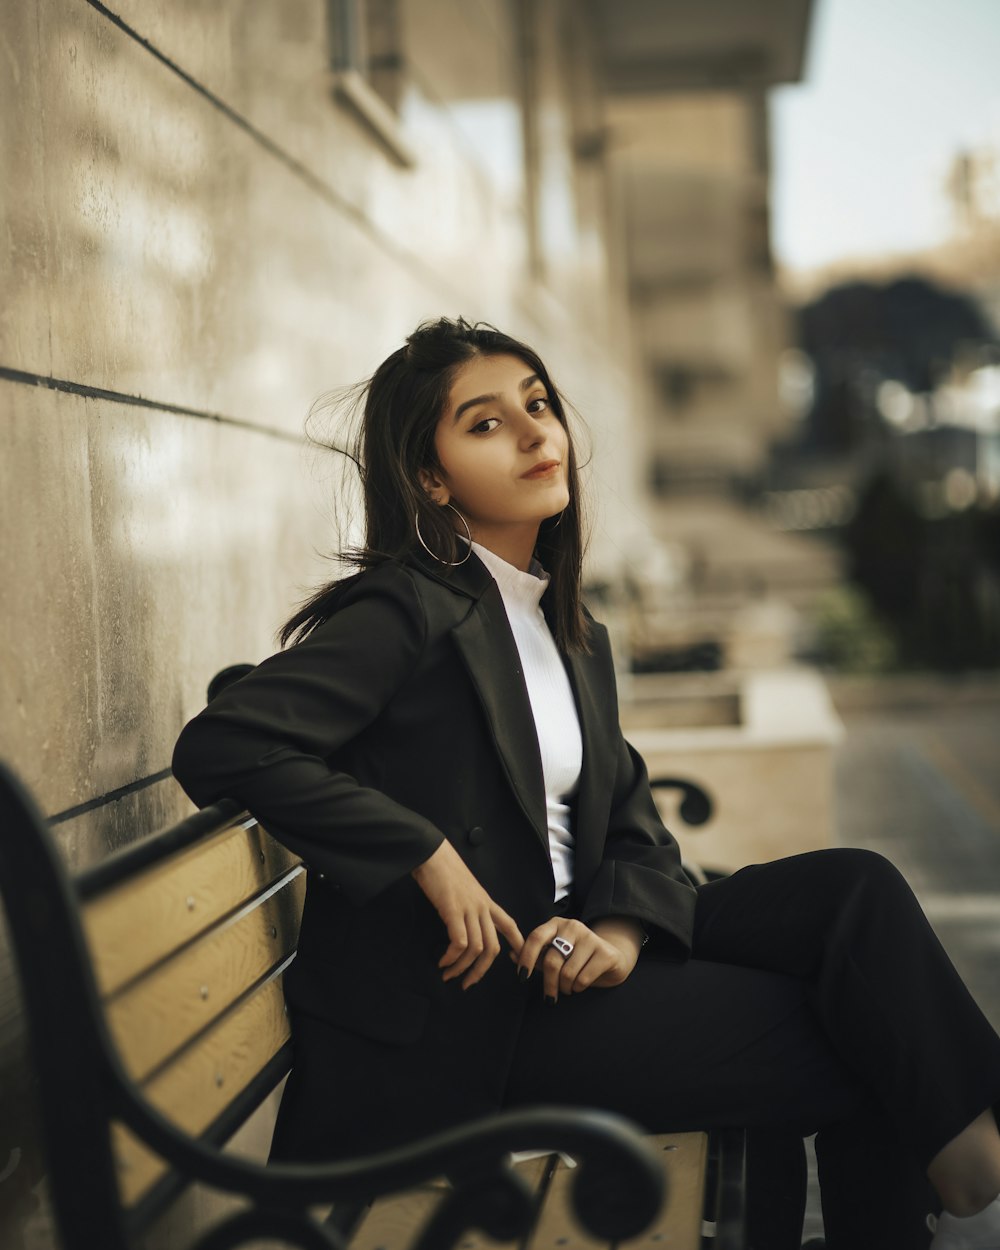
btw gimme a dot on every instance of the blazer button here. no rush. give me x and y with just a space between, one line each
476 835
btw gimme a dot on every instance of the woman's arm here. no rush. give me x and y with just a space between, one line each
265 740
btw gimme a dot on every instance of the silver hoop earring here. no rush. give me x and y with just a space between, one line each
420 538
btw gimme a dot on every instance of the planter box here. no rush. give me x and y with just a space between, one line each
762 746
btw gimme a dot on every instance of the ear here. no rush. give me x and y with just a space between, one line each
434 486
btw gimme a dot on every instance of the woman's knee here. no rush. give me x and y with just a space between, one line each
858 868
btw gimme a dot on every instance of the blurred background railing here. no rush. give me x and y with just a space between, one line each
782 340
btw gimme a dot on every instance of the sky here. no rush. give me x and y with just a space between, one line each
861 148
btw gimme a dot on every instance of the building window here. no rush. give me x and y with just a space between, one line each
369 69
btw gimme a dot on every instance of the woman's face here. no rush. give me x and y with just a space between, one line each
502 449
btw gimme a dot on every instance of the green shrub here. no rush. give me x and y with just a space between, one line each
850 637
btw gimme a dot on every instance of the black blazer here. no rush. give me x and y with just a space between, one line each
402 720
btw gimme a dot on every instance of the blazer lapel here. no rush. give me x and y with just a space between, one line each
487 646
595 705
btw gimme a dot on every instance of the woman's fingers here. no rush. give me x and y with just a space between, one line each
471 918
552 963
458 940
481 965
591 958
473 948
570 974
581 971
535 944
507 926
482 945
559 970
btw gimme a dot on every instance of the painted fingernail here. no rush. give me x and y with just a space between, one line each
550 1000
522 974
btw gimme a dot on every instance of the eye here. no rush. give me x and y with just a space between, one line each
539 399
484 427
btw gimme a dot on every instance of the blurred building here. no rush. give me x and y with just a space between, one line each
689 138
213 214
689 149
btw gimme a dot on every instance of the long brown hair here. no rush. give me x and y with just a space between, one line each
403 401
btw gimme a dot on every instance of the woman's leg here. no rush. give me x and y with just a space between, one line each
777 1182
890 1000
871 1185
695 1045
866 1026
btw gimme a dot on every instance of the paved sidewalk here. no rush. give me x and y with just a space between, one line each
921 785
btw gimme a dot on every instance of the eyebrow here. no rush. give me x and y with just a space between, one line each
485 399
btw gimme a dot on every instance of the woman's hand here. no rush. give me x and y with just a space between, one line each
471 917
602 956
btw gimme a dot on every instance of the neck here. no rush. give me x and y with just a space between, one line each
515 544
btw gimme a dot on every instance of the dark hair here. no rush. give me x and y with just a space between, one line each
403 401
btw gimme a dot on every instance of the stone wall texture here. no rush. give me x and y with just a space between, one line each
201 239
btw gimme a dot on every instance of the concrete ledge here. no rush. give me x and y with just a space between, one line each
857 693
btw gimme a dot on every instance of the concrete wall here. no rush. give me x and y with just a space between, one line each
200 239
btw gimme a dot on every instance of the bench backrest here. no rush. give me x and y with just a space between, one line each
159 969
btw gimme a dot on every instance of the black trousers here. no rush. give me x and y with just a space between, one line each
818 999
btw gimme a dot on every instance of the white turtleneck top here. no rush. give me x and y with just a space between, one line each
556 723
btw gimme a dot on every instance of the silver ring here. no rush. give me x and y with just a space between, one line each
563 946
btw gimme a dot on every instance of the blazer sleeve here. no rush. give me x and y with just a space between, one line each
640 873
267 739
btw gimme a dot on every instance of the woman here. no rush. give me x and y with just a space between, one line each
495 915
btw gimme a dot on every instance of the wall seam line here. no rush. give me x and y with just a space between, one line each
112 796
26 378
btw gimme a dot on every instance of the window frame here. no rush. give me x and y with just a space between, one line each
346 26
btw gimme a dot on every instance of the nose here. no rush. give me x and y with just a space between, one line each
531 434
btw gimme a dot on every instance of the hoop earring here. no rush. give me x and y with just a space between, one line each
420 538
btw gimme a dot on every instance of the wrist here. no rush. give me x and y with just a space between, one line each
625 932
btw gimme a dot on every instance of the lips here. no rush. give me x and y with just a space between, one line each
542 469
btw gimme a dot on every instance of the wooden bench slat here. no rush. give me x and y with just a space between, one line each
157 1015
678 1227
195 1089
137 923
391 1222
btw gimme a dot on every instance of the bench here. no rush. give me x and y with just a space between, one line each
152 990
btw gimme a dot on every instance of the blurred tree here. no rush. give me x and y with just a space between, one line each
932 573
937 581
909 329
